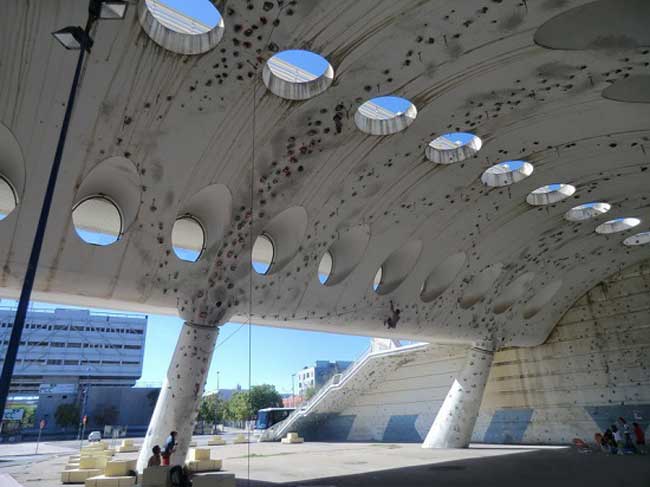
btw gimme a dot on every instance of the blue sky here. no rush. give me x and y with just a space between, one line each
277 352
393 103
202 10
460 138
512 165
306 60
261 267
189 255
96 238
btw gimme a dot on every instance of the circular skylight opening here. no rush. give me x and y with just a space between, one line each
97 221
385 115
325 267
617 225
182 26
297 74
263 253
188 239
506 173
638 239
453 147
8 198
587 211
377 280
549 194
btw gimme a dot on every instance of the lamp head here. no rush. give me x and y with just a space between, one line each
73 37
107 9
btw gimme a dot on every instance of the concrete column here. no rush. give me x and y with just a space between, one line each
455 421
181 393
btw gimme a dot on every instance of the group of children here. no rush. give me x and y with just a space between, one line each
161 457
617 440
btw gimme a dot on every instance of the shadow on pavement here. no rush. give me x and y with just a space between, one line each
541 468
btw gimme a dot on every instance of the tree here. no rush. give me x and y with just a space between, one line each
211 409
264 396
67 415
29 416
309 393
239 407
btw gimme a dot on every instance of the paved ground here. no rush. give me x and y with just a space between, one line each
361 464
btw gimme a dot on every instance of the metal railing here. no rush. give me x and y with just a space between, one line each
336 382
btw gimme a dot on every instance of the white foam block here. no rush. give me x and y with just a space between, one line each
78 476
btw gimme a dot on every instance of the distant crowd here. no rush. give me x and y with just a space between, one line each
622 439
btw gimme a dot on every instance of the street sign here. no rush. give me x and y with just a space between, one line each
42 424
85 420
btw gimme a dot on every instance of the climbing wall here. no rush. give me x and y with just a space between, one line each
592 369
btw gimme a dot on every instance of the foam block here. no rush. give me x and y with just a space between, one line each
240 439
292 438
117 468
103 481
200 454
204 465
79 476
216 441
72 466
127 449
92 462
156 477
192 444
217 479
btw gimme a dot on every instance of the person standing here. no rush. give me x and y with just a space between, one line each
639 437
170 447
618 438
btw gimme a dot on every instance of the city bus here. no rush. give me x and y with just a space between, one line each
269 416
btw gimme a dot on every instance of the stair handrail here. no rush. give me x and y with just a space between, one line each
278 429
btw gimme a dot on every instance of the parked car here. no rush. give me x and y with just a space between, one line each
95 436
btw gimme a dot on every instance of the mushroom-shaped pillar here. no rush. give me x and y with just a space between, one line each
181 393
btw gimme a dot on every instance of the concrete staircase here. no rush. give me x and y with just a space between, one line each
342 389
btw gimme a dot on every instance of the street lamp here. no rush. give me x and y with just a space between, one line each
71 38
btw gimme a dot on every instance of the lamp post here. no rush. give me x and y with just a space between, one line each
77 38
293 390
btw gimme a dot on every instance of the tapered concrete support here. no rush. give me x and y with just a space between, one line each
455 421
181 393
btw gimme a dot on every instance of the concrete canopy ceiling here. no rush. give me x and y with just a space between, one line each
519 75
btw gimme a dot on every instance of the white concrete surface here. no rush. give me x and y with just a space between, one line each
180 396
455 420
